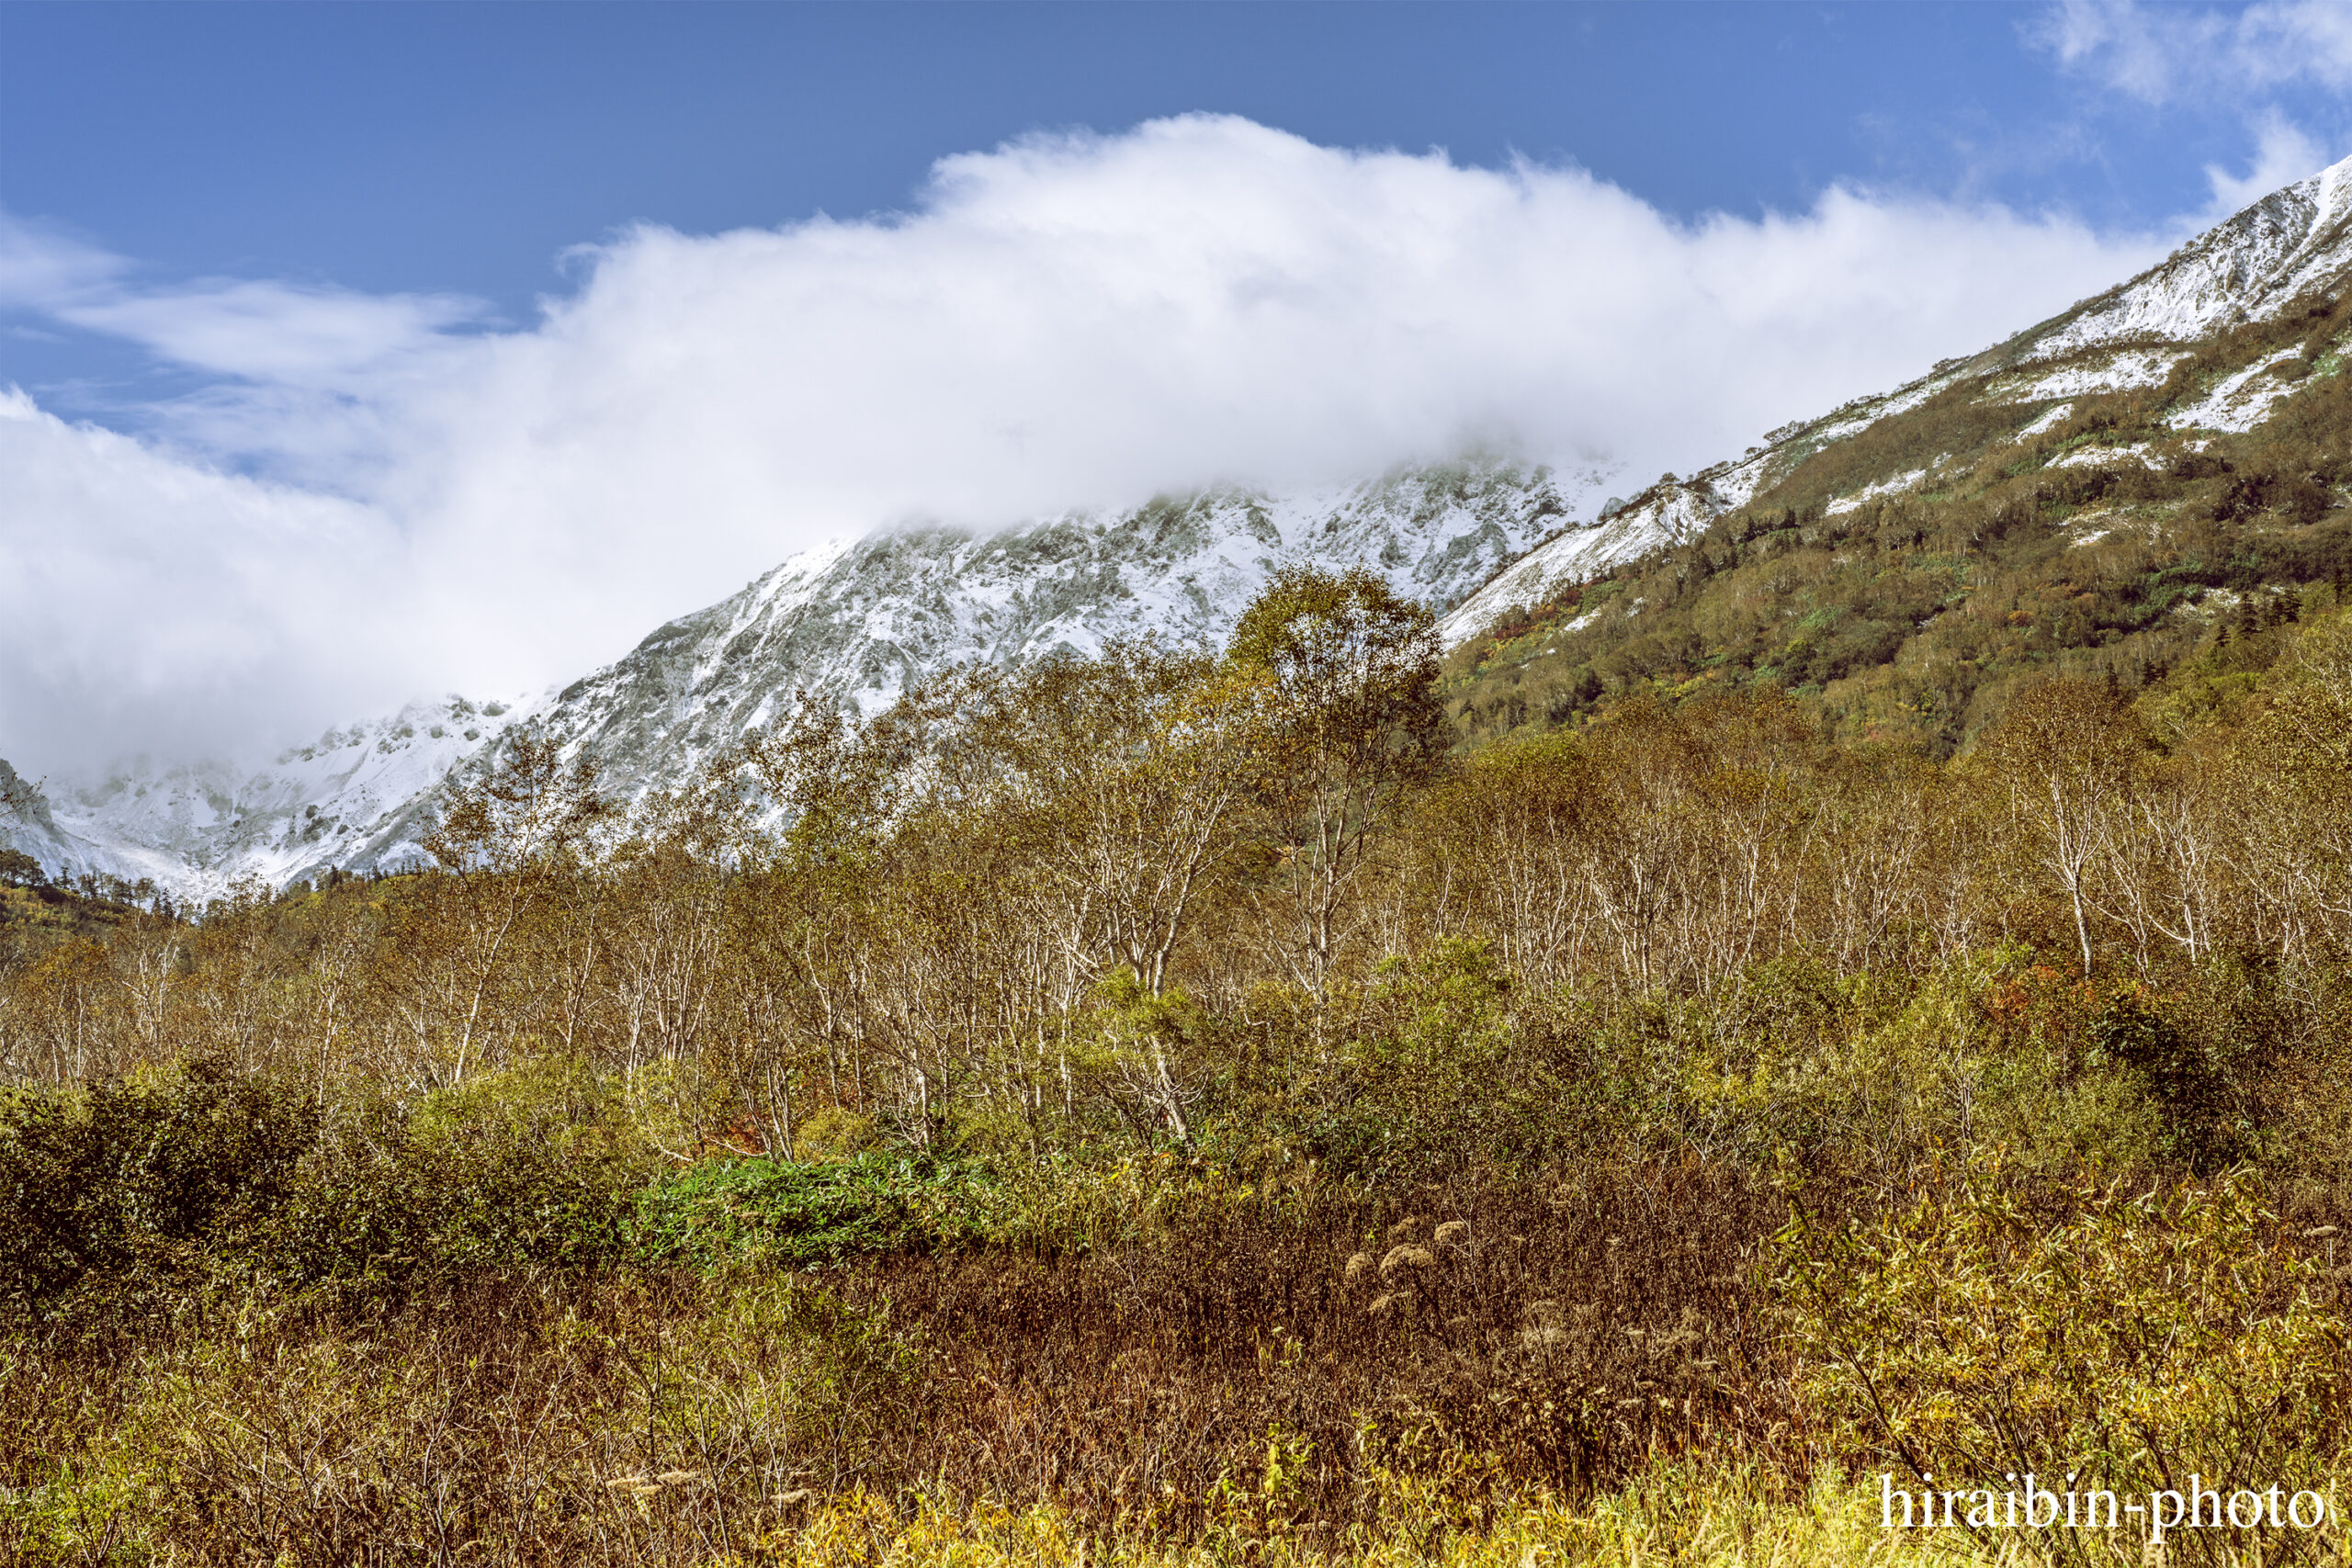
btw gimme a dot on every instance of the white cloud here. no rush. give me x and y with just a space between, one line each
261 331
2231 58
46 266
2235 59
269 331
2283 154
149 603
2161 54
1063 321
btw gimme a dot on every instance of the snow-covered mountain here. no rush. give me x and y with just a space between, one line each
855 622
849 623
196 829
28 826
2285 249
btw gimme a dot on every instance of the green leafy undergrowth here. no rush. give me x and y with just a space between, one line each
804 1216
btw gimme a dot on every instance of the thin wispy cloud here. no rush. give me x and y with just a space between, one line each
258 329
2246 63
1065 322
330 339
2161 54
2283 154
46 267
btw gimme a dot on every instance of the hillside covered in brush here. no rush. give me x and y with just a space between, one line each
1870 995
1190 1078
2105 495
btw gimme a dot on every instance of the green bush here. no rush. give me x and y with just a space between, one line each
534 1168
1443 1073
2192 1078
140 1178
805 1215
163 1181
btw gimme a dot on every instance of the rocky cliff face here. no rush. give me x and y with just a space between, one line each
28 826
855 624
197 830
2250 268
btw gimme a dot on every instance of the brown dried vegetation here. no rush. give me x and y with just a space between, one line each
1167 1090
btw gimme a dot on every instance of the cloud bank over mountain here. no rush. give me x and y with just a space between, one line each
372 497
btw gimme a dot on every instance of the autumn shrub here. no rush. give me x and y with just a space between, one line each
512 1419
2194 1077
1772 1059
2097 1338
1862 1079
535 1167
130 1183
1441 1072
1553 1326
1215 1367
145 1191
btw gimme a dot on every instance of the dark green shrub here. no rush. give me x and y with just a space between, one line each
140 1177
1444 1075
131 1187
2190 1077
534 1168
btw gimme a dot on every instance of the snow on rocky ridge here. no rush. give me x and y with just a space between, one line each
1668 511
197 830
2249 268
28 826
851 623
857 624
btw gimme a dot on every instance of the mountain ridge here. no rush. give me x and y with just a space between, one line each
2107 493
849 623
1482 540
2250 268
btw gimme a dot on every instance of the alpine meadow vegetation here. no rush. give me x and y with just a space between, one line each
1221 1105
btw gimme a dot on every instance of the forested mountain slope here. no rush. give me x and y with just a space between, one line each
2157 469
1175 1106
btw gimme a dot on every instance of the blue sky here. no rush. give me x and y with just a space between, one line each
355 352
467 147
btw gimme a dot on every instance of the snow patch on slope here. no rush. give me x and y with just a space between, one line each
2103 456
858 623
1864 413
2117 373
1665 515
28 825
1853 503
2238 402
2244 269
2049 420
